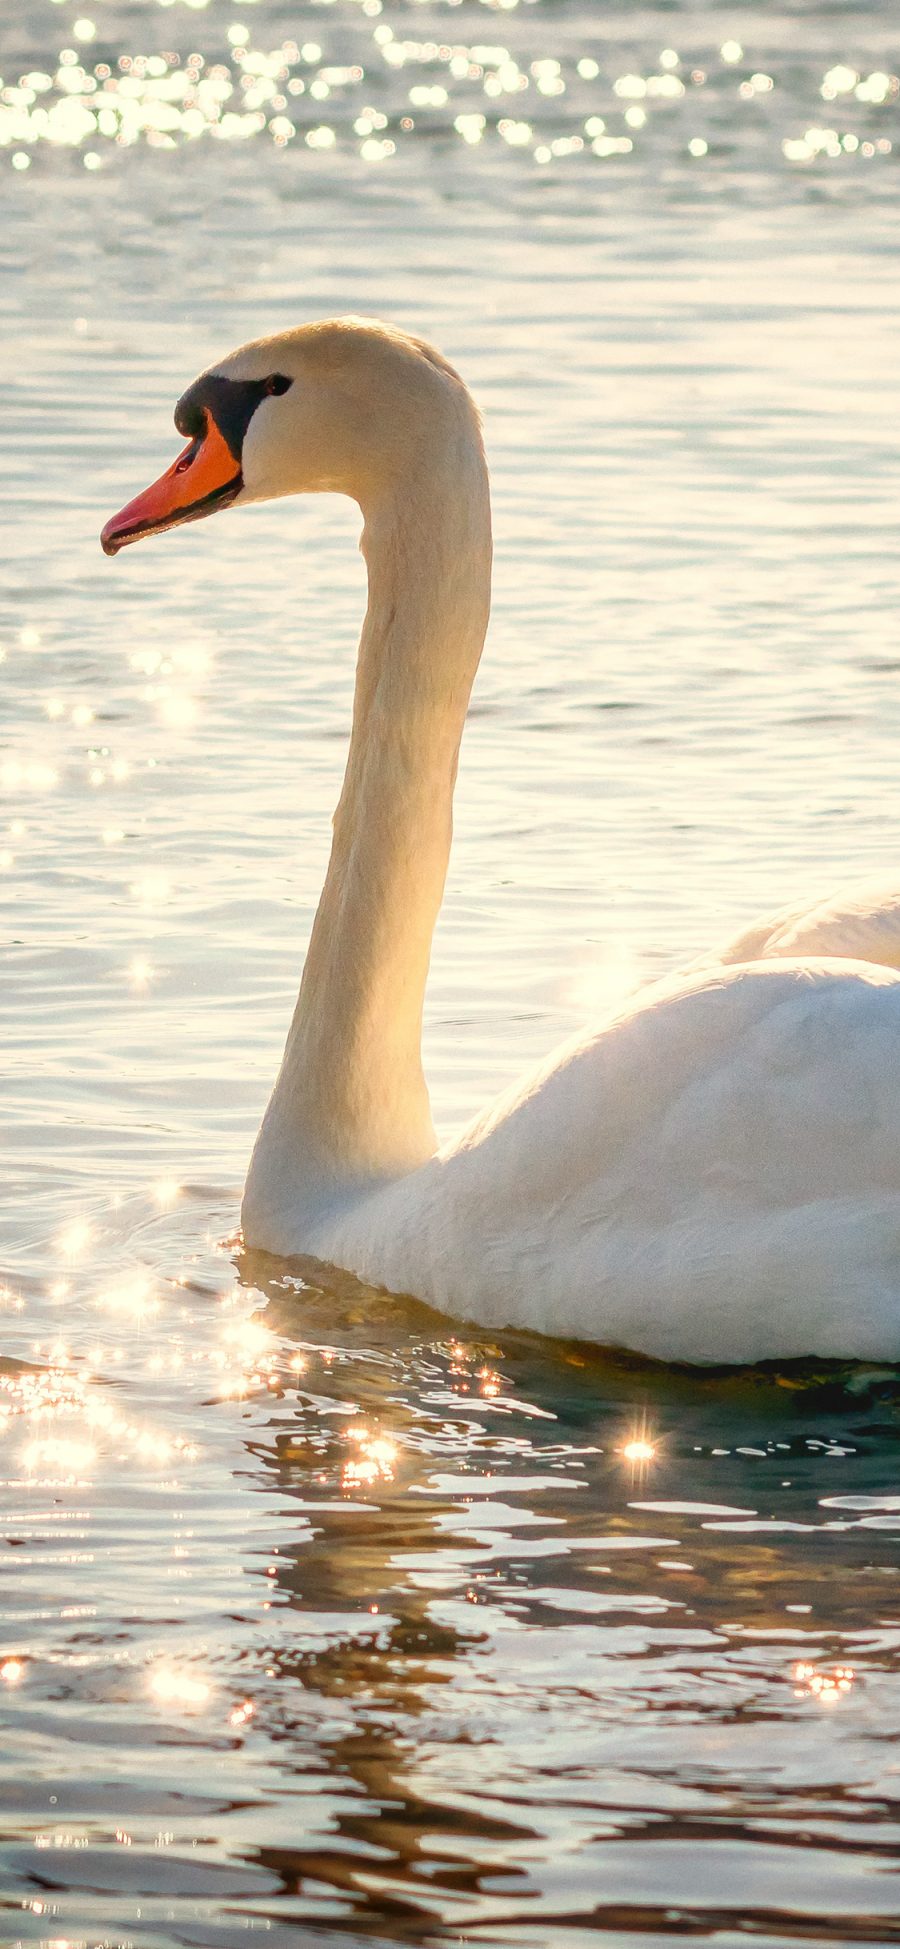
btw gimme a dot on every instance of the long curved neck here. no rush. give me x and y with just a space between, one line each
350 1102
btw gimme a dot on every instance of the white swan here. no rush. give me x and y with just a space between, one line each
714 1175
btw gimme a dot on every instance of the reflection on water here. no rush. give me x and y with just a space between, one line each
323 1621
421 1638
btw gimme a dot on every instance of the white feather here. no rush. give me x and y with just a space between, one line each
861 923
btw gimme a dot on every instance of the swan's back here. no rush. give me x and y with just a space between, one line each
861 923
715 1175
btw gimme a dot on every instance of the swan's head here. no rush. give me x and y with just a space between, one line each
348 405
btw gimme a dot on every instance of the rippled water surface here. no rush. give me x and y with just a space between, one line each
322 1621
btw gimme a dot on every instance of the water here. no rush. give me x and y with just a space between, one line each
323 1621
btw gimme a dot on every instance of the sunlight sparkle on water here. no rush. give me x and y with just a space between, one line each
134 1298
59 1458
37 1395
83 1416
242 1714
181 1689
177 710
164 102
152 890
826 1686
165 1192
248 1359
639 1451
374 1463
75 1239
249 1338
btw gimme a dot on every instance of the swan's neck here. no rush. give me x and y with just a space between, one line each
350 1103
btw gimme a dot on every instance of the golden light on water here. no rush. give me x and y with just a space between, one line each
97 108
33 775
165 1192
248 1360
249 1338
639 1450
178 710
825 1686
134 1298
75 1239
12 1671
38 1395
152 889
242 1714
60 1458
375 1462
173 1686
76 1426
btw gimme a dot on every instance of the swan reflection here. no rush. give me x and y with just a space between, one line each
439 1617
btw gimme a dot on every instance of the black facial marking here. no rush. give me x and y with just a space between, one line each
230 402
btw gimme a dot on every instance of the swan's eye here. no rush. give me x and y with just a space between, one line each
277 383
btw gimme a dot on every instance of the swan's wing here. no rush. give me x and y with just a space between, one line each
862 923
715 1176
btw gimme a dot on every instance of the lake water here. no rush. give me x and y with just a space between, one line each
321 1622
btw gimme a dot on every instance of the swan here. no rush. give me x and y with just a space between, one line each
712 1174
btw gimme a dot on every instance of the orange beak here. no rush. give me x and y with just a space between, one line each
205 476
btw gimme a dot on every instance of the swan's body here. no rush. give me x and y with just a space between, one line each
714 1174
861 923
